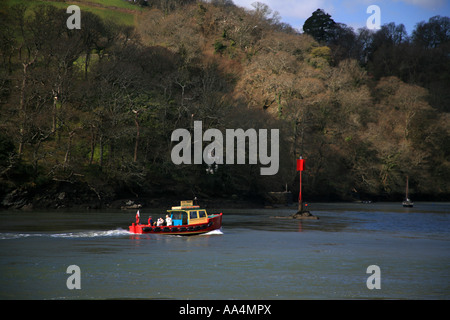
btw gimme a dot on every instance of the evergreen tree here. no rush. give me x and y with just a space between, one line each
320 26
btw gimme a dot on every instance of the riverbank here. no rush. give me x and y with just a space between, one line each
61 196
82 196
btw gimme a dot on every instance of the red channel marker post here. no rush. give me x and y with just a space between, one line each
300 167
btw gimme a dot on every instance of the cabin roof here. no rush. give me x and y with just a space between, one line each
185 205
185 208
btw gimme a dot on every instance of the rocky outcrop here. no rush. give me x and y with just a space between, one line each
299 215
53 196
304 215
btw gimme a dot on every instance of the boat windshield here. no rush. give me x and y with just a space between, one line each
177 215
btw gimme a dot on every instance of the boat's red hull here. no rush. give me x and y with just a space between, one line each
214 223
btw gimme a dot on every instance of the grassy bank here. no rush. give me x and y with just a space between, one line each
119 11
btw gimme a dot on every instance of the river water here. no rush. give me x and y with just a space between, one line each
254 256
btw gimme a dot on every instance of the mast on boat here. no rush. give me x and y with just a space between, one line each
407 187
407 202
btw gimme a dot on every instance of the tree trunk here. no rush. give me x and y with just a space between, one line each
136 120
92 145
69 146
22 111
101 151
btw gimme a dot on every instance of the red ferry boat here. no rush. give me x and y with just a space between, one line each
187 219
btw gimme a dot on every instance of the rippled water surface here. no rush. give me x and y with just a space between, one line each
253 256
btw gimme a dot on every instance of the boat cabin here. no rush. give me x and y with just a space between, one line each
187 214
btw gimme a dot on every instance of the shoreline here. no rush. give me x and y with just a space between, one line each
80 197
208 203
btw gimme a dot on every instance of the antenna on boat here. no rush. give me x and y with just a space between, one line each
195 199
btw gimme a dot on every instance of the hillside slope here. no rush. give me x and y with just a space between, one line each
87 115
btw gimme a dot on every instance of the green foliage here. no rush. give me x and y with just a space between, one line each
320 57
219 47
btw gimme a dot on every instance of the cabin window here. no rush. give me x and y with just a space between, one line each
202 214
176 215
192 214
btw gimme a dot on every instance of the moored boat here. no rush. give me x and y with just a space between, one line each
186 219
408 203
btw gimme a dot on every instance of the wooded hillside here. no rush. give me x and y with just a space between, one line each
86 116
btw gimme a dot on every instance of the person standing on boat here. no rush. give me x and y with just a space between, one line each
160 222
168 220
150 221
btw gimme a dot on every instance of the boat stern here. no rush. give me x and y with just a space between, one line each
135 228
